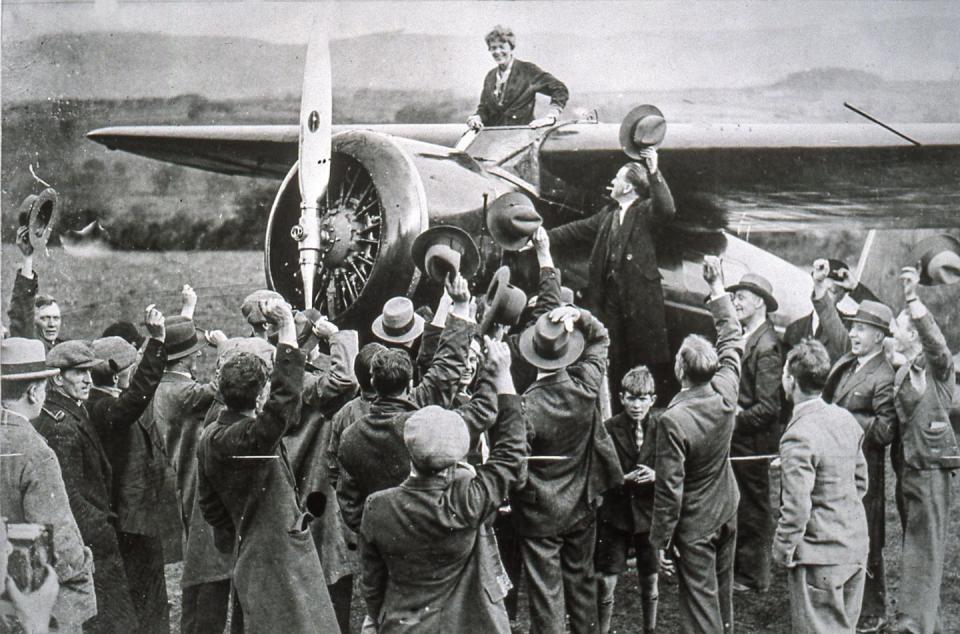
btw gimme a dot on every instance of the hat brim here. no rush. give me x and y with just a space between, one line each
575 345
768 299
201 344
469 258
30 376
883 327
508 243
415 331
627 144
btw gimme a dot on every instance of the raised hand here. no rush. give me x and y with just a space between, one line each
276 311
474 122
568 315
650 159
215 337
155 323
188 301
23 241
909 280
713 274
458 289
323 328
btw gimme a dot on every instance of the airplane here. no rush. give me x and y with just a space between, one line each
340 230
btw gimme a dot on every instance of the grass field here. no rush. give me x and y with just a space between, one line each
93 292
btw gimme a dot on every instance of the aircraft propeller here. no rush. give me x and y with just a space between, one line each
314 171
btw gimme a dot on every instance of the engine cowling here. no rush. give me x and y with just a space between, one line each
383 192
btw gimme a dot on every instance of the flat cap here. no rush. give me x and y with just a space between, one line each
252 345
72 355
116 350
251 308
436 438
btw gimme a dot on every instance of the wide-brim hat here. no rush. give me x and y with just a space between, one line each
183 338
398 323
24 360
436 438
643 127
42 217
445 248
504 302
758 285
937 259
874 314
547 345
512 219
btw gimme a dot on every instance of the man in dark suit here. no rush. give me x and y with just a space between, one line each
696 496
624 281
757 430
510 89
822 534
555 511
429 556
861 381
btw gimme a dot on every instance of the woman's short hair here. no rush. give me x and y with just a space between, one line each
501 34
809 364
241 380
698 359
638 381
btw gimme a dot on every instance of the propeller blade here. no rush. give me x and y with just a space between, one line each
315 130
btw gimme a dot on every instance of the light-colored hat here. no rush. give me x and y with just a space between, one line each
398 323
251 305
72 355
251 345
759 286
874 314
24 360
436 438
116 350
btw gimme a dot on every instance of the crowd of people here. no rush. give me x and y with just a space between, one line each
445 464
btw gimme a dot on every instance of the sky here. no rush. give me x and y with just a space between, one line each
290 21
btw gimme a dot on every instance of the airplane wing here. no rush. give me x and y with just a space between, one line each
742 177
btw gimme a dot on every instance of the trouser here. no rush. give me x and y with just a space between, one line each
610 560
825 599
508 543
143 564
559 570
205 607
705 575
755 524
115 611
927 496
341 592
874 503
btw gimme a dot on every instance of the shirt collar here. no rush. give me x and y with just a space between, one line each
180 373
799 408
503 74
862 361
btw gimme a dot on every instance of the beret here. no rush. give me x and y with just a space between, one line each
436 438
115 349
252 345
250 306
72 355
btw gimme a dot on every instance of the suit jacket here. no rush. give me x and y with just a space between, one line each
928 438
32 491
758 423
634 265
563 419
823 481
278 576
430 556
695 492
802 328
628 506
519 95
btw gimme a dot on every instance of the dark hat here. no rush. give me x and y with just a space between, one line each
436 438
24 360
250 345
835 267
547 344
443 249
251 306
758 285
504 302
42 217
72 355
397 323
643 127
937 259
512 219
114 351
182 339
126 331
874 314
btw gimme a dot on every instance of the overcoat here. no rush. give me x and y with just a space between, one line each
758 423
520 94
278 576
430 556
695 492
633 265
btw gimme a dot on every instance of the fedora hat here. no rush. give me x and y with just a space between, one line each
504 302
182 339
398 323
643 127
874 314
937 259
758 285
547 345
436 438
512 219
24 360
445 249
